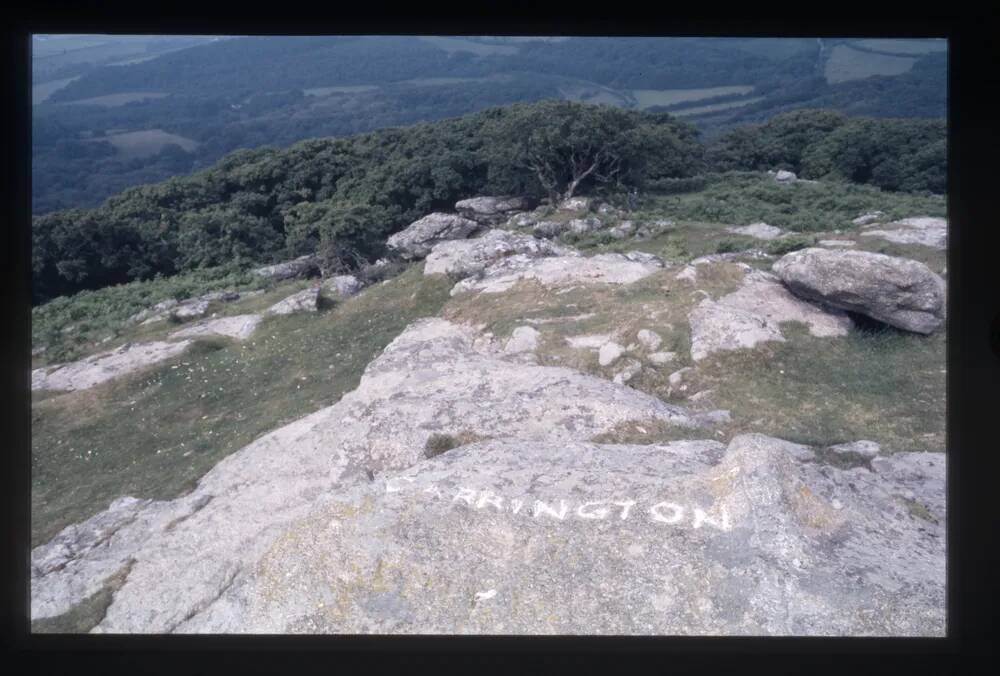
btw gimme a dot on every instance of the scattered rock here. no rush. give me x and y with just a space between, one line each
581 226
417 240
239 327
462 258
593 342
631 369
901 292
662 357
653 228
190 310
689 273
523 339
783 176
649 339
758 230
646 258
98 368
556 271
869 217
932 232
302 301
677 377
609 353
303 266
753 314
623 230
576 204
522 220
550 229
866 449
490 210
343 286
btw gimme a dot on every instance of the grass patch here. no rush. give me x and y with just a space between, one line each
155 434
96 315
884 385
739 198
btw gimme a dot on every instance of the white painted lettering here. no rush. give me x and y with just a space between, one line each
626 505
677 512
584 513
487 498
701 517
542 507
466 494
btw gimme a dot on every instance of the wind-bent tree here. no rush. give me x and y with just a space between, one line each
562 145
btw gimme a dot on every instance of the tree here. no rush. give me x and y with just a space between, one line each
562 145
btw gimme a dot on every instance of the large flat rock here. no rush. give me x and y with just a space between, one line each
554 271
462 258
99 368
434 379
925 230
753 314
507 537
239 327
518 536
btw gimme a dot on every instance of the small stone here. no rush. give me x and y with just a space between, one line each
649 339
609 353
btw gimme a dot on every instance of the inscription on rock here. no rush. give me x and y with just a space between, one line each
664 512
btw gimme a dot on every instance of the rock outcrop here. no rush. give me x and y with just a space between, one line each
783 176
239 327
301 301
753 314
462 258
342 286
98 368
932 232
490 210
560 270
901 292
433 379
526 536
417 240
303 266
758 230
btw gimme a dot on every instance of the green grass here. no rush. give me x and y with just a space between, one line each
95 315
154 435
887 386
740 198
647 98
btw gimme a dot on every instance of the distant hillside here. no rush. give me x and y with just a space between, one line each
192 106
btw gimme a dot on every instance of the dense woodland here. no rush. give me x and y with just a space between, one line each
341 197
248 93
